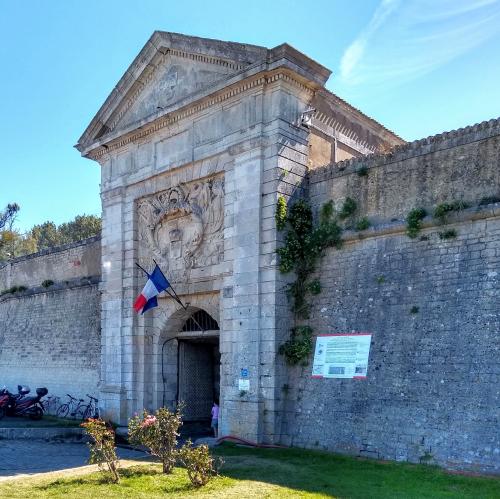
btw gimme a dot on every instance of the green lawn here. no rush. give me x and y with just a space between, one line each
270 473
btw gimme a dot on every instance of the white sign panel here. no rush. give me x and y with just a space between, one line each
243 385
343 355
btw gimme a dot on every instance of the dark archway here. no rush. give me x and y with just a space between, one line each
190 366
199 366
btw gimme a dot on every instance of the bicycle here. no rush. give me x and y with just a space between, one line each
51 404
73 408
91 409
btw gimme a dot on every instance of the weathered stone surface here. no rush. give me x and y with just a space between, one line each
196 143
50 336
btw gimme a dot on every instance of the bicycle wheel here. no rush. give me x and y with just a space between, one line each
87 413
62 412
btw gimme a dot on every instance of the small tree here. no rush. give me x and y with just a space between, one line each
102 447
8 216
200 465
158 432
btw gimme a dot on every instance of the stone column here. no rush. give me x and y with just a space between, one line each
111 304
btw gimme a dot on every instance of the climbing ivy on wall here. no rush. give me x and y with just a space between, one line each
305 242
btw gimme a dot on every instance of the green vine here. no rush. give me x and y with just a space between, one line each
305 242
298 348
281 213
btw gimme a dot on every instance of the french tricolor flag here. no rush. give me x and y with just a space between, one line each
157 283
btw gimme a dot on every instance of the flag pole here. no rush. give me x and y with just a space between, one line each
175 296
145 271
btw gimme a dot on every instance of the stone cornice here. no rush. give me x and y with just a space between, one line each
142 68
142 129
330 127
374 126
240 59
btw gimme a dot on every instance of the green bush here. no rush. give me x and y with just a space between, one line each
348 208
414 222
47 283
414 310
363 224
13 289
448 234
158 432
442 210
200 465
102 446
363 171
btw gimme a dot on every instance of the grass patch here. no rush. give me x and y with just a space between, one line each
251 473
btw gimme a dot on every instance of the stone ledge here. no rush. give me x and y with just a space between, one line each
66 434
76 282
399 226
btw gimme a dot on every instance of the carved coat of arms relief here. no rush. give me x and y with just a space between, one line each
182 227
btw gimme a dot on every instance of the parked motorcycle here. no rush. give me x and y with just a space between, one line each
4 401
21 405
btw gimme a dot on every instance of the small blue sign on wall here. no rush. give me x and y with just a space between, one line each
244 372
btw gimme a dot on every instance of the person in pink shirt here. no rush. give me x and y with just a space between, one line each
215 418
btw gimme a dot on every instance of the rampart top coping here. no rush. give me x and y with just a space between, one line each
49 251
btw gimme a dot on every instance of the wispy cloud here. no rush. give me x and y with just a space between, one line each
407 38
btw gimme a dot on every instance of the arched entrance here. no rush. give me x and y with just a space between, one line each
196 357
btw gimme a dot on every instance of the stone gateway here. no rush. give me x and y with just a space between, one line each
196 144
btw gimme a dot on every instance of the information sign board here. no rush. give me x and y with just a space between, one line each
343 355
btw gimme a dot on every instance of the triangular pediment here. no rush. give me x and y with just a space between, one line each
169 69
175 78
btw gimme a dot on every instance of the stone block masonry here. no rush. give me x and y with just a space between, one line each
50 336
432 392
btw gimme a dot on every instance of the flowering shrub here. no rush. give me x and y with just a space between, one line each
158 432
200 465
102 446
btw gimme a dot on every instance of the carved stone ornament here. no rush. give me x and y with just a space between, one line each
182 227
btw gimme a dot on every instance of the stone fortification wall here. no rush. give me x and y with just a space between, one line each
50 335
431 304
66 262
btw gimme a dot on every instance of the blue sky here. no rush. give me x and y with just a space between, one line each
419 67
